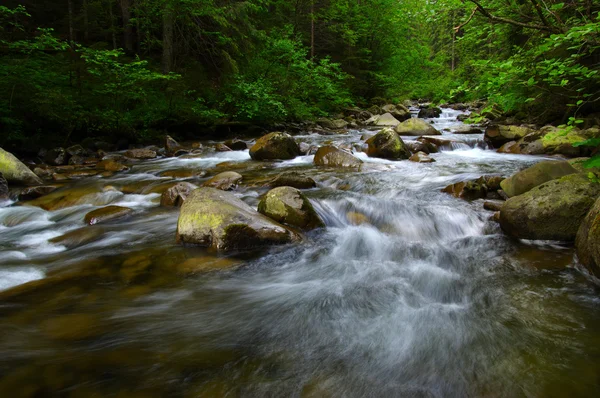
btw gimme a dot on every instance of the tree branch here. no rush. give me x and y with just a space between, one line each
491 17
459 27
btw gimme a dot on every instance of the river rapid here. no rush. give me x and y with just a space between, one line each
426 299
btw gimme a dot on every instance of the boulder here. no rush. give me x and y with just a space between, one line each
236 145
551 211
383 120
292 179
77 160
483 187
510 147
557 141
15 171
333 157
111 165
288 205
142 153
416 127
430 112
275 146
56 157
106 214
3 188
587 242
387 145
421 157
397 111
336 124
467 130
535 175
177 194
171 146
219 219
76 150
35 192
421 146
498 135
222 148
225 181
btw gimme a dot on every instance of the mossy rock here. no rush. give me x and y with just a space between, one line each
587 242
219 219
14 171
387 145
551 211
559 141
333 157
288 205
416 127
274 146
535 175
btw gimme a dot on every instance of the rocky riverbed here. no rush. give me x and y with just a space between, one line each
344 269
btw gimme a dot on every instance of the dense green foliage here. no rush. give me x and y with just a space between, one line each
129 68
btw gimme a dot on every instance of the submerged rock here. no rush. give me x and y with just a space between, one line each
106 214
177 194
15 171
275 146
333 157
387 145
225 181
416 127
551 211
36 192
292 179
288 205
587 242
142 153
535 175
219 219
78 237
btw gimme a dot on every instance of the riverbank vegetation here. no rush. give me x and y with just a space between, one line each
73 69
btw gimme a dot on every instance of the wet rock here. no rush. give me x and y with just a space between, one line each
171 146
383 120
292 179
304 148
219 219
462 118
36 192
56 157
111 165
421 157
535 175
387 145
333 157
587 242
498 135
177 194
468 130
421 146
438 141
105 214
142 153
431 112
557 141
78 174
76 150
551 211
416 127
180 152
336 124
222 148
399 112
43 172
3 188
468 190
289 206
135 267
236 145
493 206
79 237
72 327
14 171
208 264
510 147
356 218
183 173
77 160
225 181
275 146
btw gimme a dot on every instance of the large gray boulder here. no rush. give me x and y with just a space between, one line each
551 211
275 146
416 127
383 120
219 219
288 205
587 242
387 145
15 171
535 175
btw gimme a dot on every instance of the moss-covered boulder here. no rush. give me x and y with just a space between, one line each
15 171
105 214
275 146
387 145
535 175
219 219
416 127
331 156
587 242
558 141
551 211
177 194
289 206
498 135
225 181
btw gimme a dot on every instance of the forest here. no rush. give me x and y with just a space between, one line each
71 69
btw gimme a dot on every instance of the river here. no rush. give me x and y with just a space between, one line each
426 299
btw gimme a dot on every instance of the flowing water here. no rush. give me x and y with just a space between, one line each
427 298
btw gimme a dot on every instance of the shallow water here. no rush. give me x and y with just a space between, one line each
426 299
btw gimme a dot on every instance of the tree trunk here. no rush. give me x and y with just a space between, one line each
86 22
312 29
71 32
112 24
127 29
167 56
